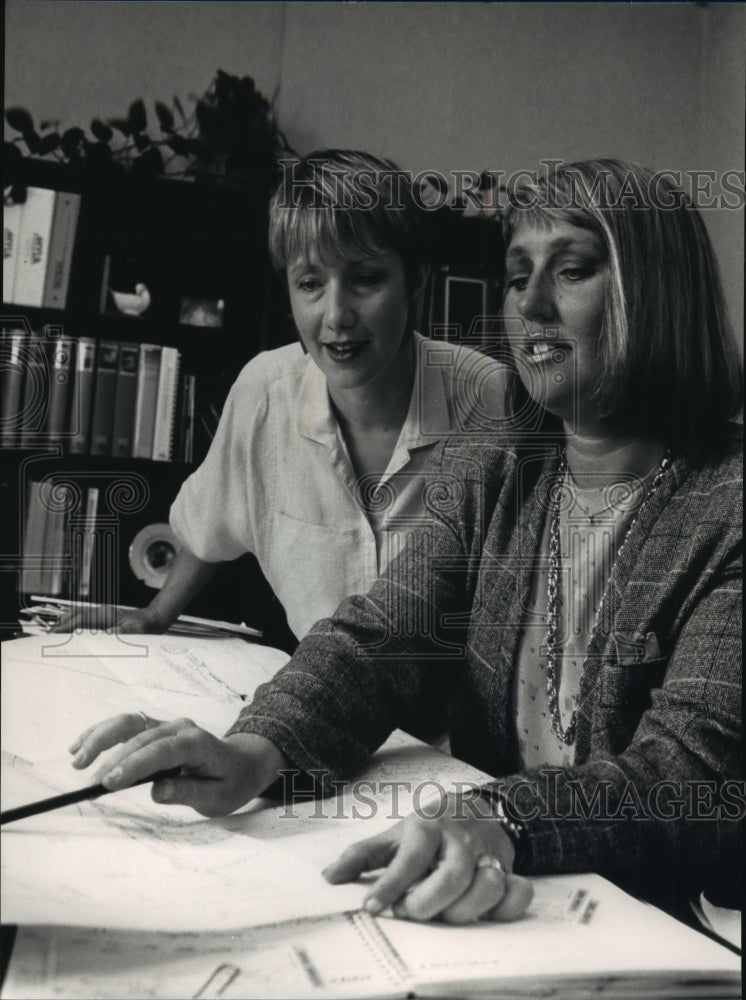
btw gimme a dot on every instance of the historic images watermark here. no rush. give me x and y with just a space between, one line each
497 190
549 797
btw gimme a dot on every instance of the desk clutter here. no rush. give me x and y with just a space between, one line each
121 898
46 612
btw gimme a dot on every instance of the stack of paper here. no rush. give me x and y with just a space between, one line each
47 612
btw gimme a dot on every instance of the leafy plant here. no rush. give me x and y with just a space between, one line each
231 135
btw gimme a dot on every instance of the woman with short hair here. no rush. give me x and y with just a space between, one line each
317 463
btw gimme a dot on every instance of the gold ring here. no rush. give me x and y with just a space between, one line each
145 719
490 861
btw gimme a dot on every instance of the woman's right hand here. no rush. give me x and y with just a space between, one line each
141 621
217 775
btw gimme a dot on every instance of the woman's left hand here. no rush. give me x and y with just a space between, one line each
452 861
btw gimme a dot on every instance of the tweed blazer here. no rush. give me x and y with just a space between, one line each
652 794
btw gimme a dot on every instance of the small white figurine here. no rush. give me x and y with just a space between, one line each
132 303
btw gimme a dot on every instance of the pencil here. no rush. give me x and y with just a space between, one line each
81 795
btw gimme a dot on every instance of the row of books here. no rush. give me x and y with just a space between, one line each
52 563
47 545
38 243
96 397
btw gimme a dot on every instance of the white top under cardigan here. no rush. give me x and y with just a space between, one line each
589 543
278 481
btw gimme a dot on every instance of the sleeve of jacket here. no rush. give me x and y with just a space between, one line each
382 661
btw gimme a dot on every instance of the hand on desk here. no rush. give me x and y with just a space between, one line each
140 621
218 776
452 861
440 863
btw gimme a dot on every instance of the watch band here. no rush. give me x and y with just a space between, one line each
512 826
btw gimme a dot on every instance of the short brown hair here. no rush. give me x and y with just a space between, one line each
341 201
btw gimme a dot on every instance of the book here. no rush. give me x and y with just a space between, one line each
36 382
85 567
34 531
145 401
102 414
236 907
104 289
33 247
56 424
82 396
186 418
12 385
12 214
124 400
61 249
56 540
164 426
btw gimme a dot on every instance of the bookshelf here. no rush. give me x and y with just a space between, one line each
109 408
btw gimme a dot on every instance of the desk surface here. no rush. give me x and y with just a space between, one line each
145 871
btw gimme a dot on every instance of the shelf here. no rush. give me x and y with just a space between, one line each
84 461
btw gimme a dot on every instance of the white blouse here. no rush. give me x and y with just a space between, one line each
278 481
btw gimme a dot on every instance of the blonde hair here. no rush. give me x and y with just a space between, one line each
669 360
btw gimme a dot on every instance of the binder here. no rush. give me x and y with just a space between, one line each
12 385
103 397
145 401
56 547
11 232
34 530
186 419
33 247
61 248
32 417
124 400
85 570
82 396
57 422
165 411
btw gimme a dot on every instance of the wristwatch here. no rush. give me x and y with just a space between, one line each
513 827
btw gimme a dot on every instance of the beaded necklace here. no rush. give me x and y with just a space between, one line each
567 735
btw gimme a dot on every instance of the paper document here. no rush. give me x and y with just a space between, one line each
582 938
123 861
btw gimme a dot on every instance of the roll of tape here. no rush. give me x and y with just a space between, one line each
152 553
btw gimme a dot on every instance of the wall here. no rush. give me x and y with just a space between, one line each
442 86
